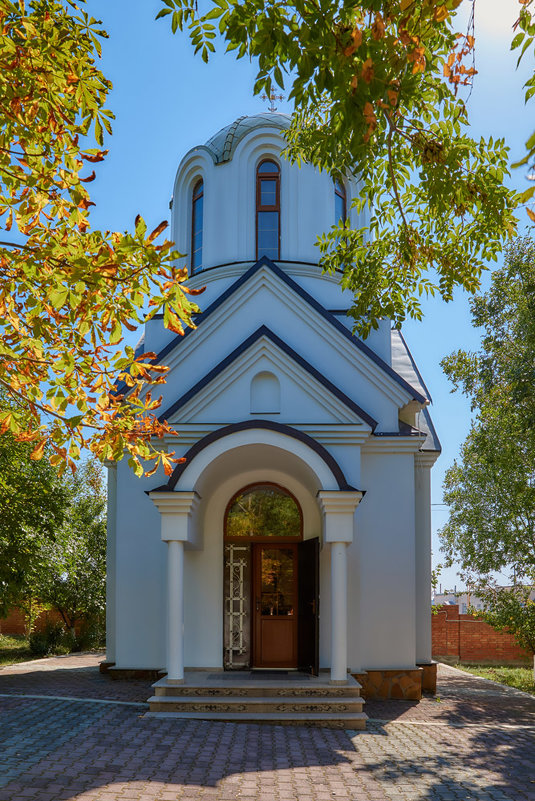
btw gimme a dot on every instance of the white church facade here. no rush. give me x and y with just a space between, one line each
296 534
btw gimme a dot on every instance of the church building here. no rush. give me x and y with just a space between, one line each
295 538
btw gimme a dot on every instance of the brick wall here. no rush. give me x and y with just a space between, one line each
464 638
14 622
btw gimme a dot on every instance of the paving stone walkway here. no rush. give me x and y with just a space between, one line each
68 732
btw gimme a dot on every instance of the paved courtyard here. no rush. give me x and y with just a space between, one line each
68 732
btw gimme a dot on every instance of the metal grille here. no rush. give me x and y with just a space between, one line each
237 607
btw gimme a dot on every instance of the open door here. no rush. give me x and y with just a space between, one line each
275 605
308 629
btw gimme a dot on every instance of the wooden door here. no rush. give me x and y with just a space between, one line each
308 601
275 605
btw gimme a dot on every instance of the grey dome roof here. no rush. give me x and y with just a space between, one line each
223 144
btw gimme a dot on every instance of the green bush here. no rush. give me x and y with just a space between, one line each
92 635
56 639
53 639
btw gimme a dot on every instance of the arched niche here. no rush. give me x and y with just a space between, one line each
265 394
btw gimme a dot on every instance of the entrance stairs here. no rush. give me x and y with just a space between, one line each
260 697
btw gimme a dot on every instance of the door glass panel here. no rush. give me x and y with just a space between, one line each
277 597
263 511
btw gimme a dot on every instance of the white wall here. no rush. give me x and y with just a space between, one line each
381 564
140 576
111 563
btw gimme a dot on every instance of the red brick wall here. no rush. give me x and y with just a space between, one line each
465 638
14 622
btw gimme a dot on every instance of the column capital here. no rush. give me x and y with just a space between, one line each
176 509
338 508
339 501
425 459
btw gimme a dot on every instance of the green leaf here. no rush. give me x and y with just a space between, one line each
58 296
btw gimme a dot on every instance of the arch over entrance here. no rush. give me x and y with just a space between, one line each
327 470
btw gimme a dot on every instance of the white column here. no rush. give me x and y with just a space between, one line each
338 508
176 509
422 516
339 612
175 611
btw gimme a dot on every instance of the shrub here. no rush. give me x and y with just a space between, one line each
53 639
92 635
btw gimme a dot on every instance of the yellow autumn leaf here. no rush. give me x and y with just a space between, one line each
38 451
441 14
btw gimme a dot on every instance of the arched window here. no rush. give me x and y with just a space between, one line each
196 226
340 210
263 511
268 210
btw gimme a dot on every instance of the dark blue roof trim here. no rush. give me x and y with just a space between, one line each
403 433
213 436
265 262
260 332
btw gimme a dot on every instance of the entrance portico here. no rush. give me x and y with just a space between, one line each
193 518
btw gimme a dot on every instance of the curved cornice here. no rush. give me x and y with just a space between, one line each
270 425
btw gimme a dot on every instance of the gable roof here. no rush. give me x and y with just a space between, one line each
328 316
264 331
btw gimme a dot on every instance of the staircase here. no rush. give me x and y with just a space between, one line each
251 697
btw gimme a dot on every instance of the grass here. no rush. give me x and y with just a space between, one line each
14 648
521 678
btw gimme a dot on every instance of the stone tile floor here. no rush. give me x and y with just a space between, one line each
68 732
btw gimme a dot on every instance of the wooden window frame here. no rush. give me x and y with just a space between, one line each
276 176
195 195
340 191
273 540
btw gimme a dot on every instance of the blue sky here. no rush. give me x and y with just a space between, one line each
166 101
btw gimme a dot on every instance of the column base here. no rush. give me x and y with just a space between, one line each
173 681
338 682
403 684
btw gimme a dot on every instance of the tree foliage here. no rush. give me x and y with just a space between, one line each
67 292
374 86
33 502
72 565
513 611
52 536
491 490
523 41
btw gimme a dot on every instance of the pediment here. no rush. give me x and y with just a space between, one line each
264 378
265 293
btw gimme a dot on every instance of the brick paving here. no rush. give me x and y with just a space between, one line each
475 741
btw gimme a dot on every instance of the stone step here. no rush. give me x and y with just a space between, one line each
340 720
252 705
256 687
178 690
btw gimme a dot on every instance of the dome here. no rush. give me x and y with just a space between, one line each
223 144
